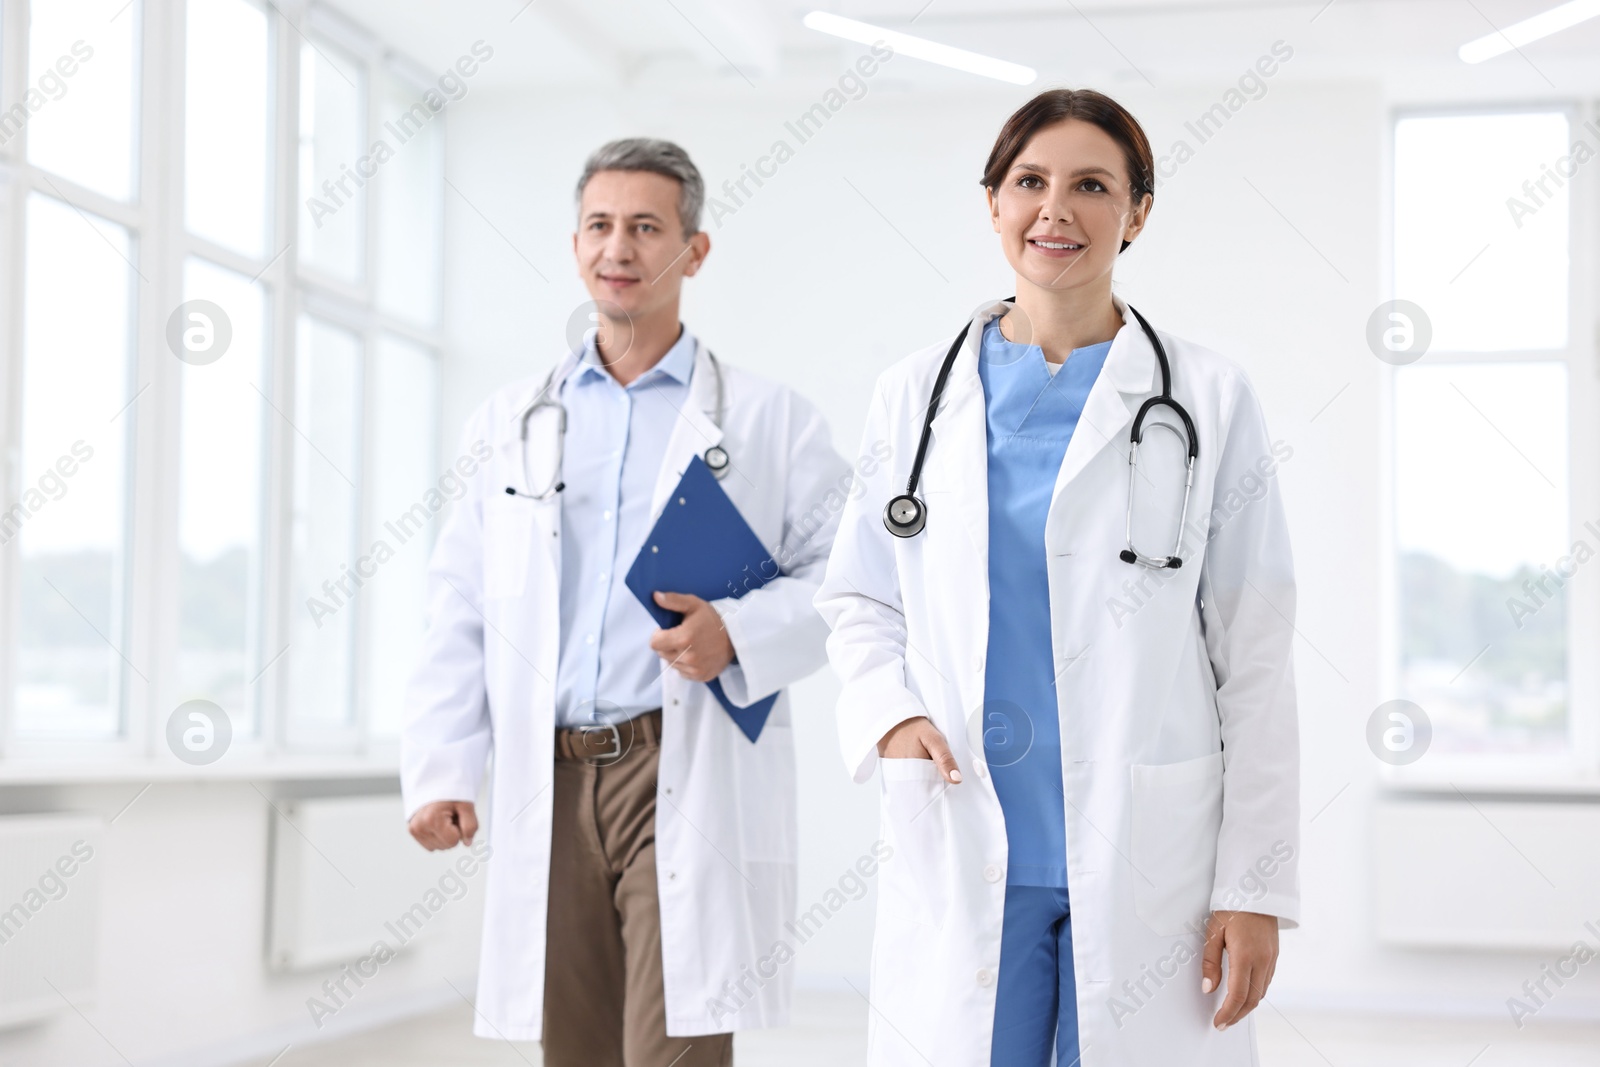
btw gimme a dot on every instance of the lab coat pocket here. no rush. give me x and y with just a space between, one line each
509 525
916 823
1177 814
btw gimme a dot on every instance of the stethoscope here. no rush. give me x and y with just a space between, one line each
716 457
907 514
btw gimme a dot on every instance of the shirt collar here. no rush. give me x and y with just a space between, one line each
677 364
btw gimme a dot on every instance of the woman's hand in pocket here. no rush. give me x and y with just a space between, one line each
918 738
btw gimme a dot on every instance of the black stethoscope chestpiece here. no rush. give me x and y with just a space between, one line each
905 515
716 458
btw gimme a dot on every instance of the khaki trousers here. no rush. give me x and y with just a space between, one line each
604 1004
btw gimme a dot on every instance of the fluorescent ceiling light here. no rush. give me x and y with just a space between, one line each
1544 24
922 48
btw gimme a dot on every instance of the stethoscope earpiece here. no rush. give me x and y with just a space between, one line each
905 515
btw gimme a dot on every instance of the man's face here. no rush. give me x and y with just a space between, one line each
630 246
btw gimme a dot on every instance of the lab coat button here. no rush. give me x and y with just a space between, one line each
991 873
985 977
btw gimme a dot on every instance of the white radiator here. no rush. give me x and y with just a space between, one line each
346 874
1486 874
49 912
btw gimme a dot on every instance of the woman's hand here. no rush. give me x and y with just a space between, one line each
1251 941
919 739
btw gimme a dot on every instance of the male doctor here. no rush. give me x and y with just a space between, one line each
643 848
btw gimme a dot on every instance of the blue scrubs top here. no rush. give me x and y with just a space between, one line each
1031 416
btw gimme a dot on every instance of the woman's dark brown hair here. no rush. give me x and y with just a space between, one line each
1058 105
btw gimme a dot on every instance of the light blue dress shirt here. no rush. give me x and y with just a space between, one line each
616 437
1031 417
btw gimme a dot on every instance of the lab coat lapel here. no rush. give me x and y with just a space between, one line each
1114 398
693 432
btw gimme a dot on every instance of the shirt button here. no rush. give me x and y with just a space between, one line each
606 515
985 977
602 576
589 639
991 873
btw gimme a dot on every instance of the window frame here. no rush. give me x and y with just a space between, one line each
156 222
1579 767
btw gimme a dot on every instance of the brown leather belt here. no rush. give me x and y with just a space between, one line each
604 742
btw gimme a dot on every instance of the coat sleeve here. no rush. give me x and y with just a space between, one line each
445 741
860 599
777 635
1247 598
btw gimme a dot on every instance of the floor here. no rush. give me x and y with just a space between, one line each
830 1028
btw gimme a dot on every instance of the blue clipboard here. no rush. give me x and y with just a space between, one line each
702 545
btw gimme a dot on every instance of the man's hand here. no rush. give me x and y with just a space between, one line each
698 647
1251 941
444 824
919 739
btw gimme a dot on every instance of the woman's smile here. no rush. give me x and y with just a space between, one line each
1056 247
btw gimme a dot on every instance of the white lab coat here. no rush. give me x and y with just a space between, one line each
725 815
1179 743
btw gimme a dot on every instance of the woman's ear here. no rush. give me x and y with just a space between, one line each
1138 217
994 208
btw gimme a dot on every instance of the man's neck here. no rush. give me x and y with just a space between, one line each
642 343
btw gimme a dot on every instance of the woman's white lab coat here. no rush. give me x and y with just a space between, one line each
1175 693
725 812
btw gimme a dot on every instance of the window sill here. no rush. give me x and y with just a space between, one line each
15 772
1552 787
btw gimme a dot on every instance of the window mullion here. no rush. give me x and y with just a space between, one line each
151 613
13 36
284 296
1584 418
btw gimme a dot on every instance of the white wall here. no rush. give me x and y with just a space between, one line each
181 974
1267 245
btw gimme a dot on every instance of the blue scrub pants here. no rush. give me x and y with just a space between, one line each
1036 1000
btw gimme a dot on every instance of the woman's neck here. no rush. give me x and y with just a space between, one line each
1059 321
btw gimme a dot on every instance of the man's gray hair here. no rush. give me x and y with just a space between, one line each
657 157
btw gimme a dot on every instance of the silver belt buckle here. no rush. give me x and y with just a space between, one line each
594 759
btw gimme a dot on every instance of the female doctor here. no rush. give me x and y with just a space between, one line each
1081 701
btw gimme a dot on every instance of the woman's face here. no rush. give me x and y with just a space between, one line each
1064 208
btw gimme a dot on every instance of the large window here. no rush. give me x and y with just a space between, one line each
1490 539
220 352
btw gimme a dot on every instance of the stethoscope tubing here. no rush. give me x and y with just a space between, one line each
906 515
715 457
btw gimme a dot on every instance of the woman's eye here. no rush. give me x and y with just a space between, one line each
1099 186
1027 178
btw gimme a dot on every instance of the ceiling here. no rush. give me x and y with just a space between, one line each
642 44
